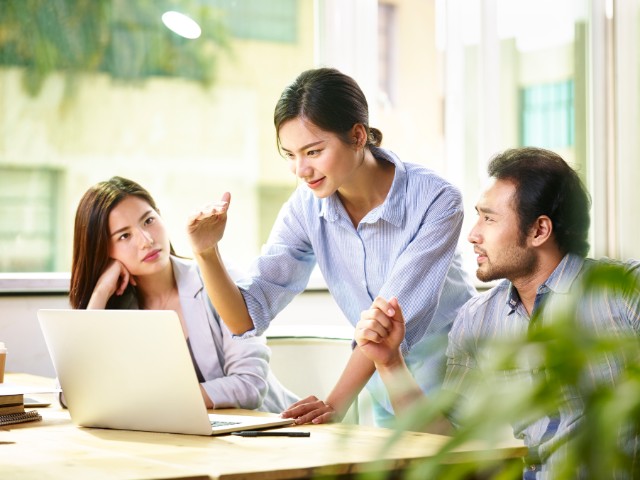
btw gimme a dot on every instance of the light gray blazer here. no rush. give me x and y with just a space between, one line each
236 371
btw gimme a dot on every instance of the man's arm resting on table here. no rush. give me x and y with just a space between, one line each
405 394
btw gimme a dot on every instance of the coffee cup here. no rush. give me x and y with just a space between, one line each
3 360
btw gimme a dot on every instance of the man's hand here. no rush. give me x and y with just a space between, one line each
380 332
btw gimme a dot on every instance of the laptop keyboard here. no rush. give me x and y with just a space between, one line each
220 423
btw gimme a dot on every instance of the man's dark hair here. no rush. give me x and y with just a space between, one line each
546 185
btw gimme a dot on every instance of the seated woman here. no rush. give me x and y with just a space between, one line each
123 259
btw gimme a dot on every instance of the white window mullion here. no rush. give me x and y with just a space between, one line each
347 39
627 119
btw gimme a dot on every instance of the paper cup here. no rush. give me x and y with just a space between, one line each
3 360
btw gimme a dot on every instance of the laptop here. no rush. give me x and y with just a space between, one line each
132 370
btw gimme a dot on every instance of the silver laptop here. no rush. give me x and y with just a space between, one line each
131 370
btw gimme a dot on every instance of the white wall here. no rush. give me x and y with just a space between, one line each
314 313
20 331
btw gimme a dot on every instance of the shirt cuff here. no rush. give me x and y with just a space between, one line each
248 334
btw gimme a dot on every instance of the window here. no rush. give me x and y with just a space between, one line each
547 115
28 219
386 51
112 93
103 88
259 19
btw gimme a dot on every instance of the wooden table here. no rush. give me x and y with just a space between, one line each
55 449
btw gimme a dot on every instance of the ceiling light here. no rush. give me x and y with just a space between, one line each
181 24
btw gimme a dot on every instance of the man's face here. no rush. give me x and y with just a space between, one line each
502 251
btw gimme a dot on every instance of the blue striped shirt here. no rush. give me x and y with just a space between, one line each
499 314
405 247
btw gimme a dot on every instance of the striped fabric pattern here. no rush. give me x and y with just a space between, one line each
499 314
406 247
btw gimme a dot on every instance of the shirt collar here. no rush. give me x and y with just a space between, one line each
187 278
560 280
392 209
513 298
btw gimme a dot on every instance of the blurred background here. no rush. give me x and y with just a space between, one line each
95 88
183 104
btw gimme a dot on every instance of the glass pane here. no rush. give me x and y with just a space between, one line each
524 68
92 89
28 217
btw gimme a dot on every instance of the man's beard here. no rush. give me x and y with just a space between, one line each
514 262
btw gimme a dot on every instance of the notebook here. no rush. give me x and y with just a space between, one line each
131 370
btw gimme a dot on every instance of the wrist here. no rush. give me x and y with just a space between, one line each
334 403
210 253
392 364
99 298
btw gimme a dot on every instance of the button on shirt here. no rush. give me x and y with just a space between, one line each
405 247
499 313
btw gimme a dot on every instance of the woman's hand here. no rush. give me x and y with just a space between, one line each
113 281
312 410
380 332
206 226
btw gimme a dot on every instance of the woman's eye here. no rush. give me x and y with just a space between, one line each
124 236
149 220
313 153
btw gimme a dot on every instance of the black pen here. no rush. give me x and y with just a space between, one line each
255 433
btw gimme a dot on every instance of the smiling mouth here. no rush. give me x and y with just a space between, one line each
315 183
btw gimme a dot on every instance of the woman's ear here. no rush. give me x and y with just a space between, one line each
358 135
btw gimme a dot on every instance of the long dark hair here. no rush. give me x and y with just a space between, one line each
91 234
330 100
547 185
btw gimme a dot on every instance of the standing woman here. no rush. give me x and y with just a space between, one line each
123 259
376 226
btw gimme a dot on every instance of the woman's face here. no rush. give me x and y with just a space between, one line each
319 158
137 237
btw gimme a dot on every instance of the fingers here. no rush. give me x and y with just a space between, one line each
114 279
388 308
376 323
121 276
208 211
123 282
311 398
380 331
310 410
211 210
327 417
395 305
369 330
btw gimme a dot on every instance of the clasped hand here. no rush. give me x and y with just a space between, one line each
380 332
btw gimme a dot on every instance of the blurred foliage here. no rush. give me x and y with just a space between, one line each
564 352
124 38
